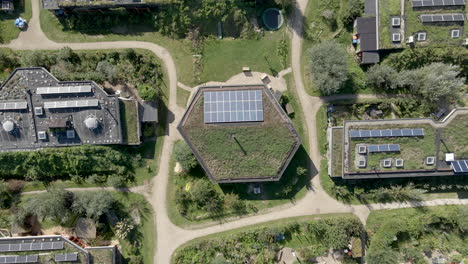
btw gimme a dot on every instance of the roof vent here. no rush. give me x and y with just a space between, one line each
455 33
421 36
42 135
396 37
396 22
8 126
91 122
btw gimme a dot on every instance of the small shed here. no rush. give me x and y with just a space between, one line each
148 111
7 5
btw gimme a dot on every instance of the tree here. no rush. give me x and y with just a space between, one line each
184 155
435 82
92 204
147 92
206 197
108 70
328 66
54 204
351 10
382 77
384 255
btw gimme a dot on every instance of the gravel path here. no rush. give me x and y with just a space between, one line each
169 236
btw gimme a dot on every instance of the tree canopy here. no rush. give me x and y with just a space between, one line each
328 67
183 154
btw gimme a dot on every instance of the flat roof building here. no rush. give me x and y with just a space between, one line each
39 111
239 133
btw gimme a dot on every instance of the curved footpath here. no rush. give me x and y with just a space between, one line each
170 236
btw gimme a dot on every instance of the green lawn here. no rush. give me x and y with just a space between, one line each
388 8
8 30
225 58
437 34
129 118
182 97
263 241
455 137
220 59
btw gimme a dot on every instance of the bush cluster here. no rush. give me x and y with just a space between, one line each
261 245
393 240
93 163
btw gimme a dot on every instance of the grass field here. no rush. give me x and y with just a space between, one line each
387 8
258 151
225 58
220 59
129 118
455 137
182 97
8 30
414 150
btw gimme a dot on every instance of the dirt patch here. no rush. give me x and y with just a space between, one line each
58 230
125 90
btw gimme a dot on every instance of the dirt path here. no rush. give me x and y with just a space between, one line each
169 236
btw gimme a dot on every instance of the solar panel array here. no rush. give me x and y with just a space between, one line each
64 89
442 17
429 3
406 132
460 166
31 246
5 105
233 106
71 104
66 257
383 148
18 259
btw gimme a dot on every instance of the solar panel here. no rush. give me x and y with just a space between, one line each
66 257
384 148
71 104
18 259
6 105
64 89
233 106
354 134
429 3
57 245
442 17
406 132
460 166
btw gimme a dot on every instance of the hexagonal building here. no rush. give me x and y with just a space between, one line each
239 133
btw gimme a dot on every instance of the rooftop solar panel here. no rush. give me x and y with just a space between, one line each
375 133
71 104
396 133
460 166
384 148
418 132
354 133
406 132
233 106
8 105
57 245
66 257
64 89
386 133
365 133
458 17
438 2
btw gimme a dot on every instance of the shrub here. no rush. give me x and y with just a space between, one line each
328 66
147 92
184 155
92 204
